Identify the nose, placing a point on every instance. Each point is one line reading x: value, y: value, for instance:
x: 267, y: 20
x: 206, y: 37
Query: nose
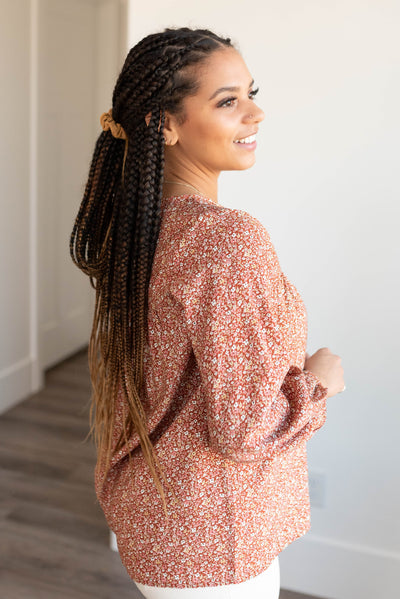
x: 255, y: 114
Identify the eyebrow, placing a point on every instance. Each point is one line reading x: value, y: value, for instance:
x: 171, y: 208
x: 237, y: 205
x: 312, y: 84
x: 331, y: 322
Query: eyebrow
x: 228, y: 89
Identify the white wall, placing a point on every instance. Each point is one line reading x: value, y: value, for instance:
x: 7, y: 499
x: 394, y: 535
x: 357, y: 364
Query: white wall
x: 14, y: 197
x: 51, y: 102
x: 325, y: 186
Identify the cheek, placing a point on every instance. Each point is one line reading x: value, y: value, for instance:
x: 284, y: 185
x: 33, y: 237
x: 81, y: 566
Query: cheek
x: 217, y: 127
x: 208, y: 135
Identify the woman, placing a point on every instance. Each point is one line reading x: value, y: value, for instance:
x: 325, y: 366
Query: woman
x: 203, y: 395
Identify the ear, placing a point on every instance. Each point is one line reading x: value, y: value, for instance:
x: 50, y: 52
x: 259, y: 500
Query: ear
x: 170, y: 129
x: 170, y: 132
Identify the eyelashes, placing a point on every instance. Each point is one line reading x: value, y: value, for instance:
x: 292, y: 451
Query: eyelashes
x: 253, y: 93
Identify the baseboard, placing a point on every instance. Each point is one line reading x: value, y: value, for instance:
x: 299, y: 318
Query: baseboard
x: 335, y: 570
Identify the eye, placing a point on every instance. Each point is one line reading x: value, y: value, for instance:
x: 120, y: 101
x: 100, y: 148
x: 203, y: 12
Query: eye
x: 226, y: 102
x: 254, y: 92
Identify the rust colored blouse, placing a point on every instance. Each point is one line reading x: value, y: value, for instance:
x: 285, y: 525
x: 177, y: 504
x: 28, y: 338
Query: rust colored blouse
x: 228, y: 403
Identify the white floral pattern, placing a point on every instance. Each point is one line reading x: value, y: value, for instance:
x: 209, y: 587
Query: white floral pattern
x: 229, y: 407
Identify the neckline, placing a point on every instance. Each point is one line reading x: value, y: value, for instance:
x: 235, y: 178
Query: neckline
x: 191, y: 195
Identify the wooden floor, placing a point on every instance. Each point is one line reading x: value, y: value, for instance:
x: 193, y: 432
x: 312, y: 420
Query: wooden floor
x: 54, y: 541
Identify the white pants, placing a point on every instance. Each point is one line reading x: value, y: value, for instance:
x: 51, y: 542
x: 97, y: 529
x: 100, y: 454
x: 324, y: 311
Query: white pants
x: 264, y: 586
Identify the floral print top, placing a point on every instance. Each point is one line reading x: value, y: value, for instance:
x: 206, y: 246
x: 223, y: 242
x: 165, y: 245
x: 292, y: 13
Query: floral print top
x: 228, y: 404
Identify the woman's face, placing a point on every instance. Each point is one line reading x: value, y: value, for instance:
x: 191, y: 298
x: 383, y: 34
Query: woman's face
x: 216, y: 118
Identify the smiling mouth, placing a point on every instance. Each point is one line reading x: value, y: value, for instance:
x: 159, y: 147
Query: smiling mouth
x: 246, y: 140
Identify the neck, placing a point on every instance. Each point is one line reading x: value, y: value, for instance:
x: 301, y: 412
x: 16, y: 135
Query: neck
x: 188, y: 183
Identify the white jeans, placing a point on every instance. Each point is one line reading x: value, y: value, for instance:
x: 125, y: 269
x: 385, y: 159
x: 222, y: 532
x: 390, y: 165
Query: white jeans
x: 264, y: 586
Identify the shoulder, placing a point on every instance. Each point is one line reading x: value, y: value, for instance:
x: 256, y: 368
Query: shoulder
x: 223, y: 247
x: 236, y: 233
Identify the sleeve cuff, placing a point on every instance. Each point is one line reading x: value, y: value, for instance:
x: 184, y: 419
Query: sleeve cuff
x: 316, y: 389
x: 320, y: 392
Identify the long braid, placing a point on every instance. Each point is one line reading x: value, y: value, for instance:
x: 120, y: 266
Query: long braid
x: 115, y: 233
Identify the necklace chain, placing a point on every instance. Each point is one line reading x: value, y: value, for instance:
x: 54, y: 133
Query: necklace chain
x: 186, y: 185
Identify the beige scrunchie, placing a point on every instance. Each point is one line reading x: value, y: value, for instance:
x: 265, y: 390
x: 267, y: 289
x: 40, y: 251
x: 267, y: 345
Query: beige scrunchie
x: 107, y: 122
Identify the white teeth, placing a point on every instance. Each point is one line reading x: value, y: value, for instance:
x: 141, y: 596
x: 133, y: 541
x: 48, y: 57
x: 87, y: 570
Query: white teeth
x: 246, y: 140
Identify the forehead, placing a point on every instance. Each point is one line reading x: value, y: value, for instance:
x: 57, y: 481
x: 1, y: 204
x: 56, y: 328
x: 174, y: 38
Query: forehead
x: 224, y: 68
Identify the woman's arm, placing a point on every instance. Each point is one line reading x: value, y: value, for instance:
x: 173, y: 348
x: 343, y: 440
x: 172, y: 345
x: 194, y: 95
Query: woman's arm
x: 258, y: 403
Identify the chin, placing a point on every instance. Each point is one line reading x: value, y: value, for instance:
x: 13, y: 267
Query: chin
x: 242, y: 166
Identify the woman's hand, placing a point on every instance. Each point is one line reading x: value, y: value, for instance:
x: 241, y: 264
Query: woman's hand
x: 327, y: 367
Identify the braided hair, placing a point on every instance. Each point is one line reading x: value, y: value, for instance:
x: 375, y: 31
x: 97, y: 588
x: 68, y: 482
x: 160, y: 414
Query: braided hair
x: 116, y: 230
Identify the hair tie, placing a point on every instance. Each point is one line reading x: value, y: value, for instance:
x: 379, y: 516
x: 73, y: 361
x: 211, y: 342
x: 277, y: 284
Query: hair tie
x: 107, y: 122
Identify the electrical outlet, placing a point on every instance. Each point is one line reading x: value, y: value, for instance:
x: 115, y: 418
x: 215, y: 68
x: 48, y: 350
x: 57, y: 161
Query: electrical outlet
x: 317, y: 488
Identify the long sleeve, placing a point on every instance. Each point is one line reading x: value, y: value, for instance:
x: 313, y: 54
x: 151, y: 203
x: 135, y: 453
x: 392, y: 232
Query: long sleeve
x: 240, y: 323
x: 228, y: 407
